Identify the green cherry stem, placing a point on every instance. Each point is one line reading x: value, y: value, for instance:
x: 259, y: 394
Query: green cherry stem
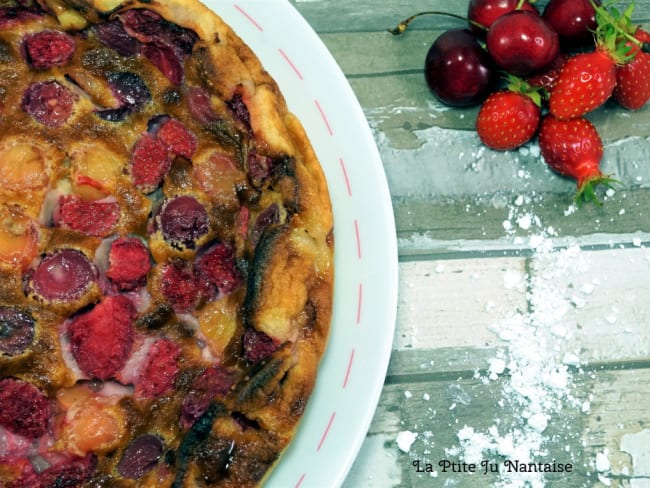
x: 403, y: 25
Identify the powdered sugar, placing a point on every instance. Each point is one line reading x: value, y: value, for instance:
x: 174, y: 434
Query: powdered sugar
x: 405, y: 440
x: 536, y: 366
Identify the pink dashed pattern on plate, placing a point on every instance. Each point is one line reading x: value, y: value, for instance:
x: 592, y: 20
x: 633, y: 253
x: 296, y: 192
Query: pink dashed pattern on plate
x: 296, y: 68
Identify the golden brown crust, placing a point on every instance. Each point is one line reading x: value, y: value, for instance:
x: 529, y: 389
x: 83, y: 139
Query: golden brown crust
x: 275, y: 217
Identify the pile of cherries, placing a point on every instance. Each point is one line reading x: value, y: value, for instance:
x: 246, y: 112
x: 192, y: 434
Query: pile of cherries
x: 463, y: 66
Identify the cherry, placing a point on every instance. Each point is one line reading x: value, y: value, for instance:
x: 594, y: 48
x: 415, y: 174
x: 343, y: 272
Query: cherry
x: 573, y: 20
x: 486, y: 12
x: 140, y: 456
x: 458, y: 70
x: 522, y: 43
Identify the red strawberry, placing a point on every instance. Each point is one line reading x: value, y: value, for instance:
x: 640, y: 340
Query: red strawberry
x: 509, y: 118
x: 633, y: 78
x: 586, y: 81
x: 574, y: 148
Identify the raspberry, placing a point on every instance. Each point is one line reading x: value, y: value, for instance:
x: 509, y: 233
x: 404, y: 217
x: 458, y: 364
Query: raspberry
x: 218, y: 266
x: 177, y: 138
x: 160, y: 371
x: 49, y: 48
x: 24, y: 408
x: 182, y: 287
x: 101, y: 338
x: 92, y: 218
x: 128, y: 263
x: 150, y: 163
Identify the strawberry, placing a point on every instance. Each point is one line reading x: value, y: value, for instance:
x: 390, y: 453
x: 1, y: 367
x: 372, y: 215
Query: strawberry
x: 573, y: 148
x: 509, y: 118
x: 587, y: 80
x: 633, y: 78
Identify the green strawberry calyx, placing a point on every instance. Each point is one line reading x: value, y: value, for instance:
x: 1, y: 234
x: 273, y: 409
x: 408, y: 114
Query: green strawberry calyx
x: 615, y: 32
x: 587, y: 188
x: 519, y: 85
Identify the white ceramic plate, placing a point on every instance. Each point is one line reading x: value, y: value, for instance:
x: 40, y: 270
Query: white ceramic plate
x: 352, y: 373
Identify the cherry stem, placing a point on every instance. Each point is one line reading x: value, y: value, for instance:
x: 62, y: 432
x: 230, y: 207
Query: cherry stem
x: 402, y: 26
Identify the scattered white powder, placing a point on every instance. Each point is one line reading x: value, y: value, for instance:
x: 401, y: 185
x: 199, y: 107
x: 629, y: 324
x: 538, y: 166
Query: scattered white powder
x: 536, y: 367
x: 405, y: 440
x: 538, y: 422
x: 602, y: 461
x: 497, y: 366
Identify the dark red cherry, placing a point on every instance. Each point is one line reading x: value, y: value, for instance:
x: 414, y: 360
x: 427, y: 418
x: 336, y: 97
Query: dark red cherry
x: 522, y: 43
x: 16, y: 331
x: 458, y: 70
x: 64, y: 275
x: 184, y: 220
x: 140, y: 456
x: 573, y: 20
x: 486, y: 12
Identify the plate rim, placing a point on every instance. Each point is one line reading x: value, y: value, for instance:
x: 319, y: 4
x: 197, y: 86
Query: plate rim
x: 242, y: 16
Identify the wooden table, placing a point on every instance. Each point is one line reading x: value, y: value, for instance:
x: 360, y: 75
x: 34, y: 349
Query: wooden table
x: 523, y: 322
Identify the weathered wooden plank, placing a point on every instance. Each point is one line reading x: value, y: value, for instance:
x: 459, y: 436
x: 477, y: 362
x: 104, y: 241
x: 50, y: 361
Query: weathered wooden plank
x: 448, y: 226
x: 452, y: 303
x: 582, y: 304
x: 369, y: 15
x: 585, y: 428
x: 403, y: 102
x: 379, y: 53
